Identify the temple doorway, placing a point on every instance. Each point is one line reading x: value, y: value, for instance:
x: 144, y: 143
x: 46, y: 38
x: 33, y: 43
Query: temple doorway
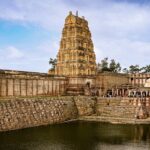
x: 88, y: 84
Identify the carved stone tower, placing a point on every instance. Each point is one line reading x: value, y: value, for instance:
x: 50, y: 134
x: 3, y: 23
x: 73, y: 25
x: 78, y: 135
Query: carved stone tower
x: 76, y: 56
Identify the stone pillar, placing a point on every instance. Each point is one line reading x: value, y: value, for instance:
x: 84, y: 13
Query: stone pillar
x: 50, y: 87
x: 45, y: 86
x: 35, y: 87
x: 17, y: 91
x: 118, y: 92
x: 0, y: 87
x: 135, y: 102
x: 10, y: 87
x: 147, y: 102
x: 40, y: 87
x: 29, y: 87
x: 129, y: 92
x: 139, y: 102
x: 3, y: 87
x: 54, y: 87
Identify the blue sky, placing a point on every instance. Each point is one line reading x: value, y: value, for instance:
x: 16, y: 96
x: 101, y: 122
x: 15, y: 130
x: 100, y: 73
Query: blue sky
x: 30, y: 31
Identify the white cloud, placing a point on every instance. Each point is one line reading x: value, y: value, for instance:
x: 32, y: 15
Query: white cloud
x: 14, y: 53
x: 51, y: 47
x: 13, y: 58
x: 11, y: 52
x: 125, y: 51
x: 120, y: 30
x: 44, y: 13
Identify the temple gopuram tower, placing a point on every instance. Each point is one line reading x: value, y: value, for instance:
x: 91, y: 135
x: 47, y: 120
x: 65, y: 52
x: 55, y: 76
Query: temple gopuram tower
x: 76, y: 56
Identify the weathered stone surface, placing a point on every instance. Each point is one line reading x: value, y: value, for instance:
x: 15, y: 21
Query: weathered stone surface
x: 29, y: 112
x: 21, y: 83
x: 122, y: 107
x: 76, y: 53
x: 140, y: 79
x: 17, y: 113
x: 109, y: 80
x: 85, y: 105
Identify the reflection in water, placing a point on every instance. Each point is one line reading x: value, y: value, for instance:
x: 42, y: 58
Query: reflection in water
x: 78, y: 136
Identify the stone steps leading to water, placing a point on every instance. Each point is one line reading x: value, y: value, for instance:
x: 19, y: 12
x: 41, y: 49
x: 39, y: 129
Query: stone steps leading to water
x: 115, y: 120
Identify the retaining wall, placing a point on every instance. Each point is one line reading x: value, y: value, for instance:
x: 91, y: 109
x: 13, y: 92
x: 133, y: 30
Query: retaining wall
x: 29, y: 112
x: 18, y: 113
x: 138, y: 108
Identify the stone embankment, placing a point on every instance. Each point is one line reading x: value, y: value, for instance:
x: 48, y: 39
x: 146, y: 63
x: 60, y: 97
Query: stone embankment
x: 138, y: 108
x: 115, y: 120
x: 121, y: 111
x: 29, y: 112
x: 85, y: 105
x: 115, y: 107
x: 18, y: 113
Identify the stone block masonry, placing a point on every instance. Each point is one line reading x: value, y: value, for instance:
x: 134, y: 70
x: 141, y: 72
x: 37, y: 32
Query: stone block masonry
x: 135, y: 108
x: 85, y: 105
x: 21, y: 83
x: 29, y: 112
x: 115, y: 107
x: 18, y: 113
x: 120, y: 110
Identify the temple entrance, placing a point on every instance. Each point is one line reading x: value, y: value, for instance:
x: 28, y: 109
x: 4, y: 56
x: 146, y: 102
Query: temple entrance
x: 109, y: 93
x: 88, y: 84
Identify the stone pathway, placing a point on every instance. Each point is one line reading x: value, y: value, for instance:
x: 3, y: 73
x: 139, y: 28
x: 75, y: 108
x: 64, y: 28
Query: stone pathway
x: 115, y: 120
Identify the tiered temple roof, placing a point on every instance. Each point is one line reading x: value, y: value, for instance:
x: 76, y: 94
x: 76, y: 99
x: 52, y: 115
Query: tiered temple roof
x: 76, y: 55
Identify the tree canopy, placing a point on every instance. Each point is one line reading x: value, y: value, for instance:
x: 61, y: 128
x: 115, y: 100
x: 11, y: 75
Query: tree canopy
x: 111, y: 66
x: 53, y: 63
x: 137, y: 69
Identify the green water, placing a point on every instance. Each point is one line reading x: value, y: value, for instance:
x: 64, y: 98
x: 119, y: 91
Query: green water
x: 78, y: 136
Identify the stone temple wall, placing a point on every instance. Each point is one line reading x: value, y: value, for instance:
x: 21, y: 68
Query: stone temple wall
x: 140, y: 79
x: 19, y: 83
x: 108, y: 80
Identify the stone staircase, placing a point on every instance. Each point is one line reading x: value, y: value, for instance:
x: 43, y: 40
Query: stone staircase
x: 74, y: 91
x: 115, y: 108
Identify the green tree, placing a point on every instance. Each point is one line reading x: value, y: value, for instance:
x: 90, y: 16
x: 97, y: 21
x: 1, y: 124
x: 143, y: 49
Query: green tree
x: 104, y: 64
x: 53, y: 63
x: 114, y: 67
x: 146, y: 69
x: 118, y: 67
x: 134, y: 69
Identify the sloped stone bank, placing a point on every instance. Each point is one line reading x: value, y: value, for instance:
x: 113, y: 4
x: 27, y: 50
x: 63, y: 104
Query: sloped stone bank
x: 29, y: 112
x: 85, y: 105
x: 18, y: 113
